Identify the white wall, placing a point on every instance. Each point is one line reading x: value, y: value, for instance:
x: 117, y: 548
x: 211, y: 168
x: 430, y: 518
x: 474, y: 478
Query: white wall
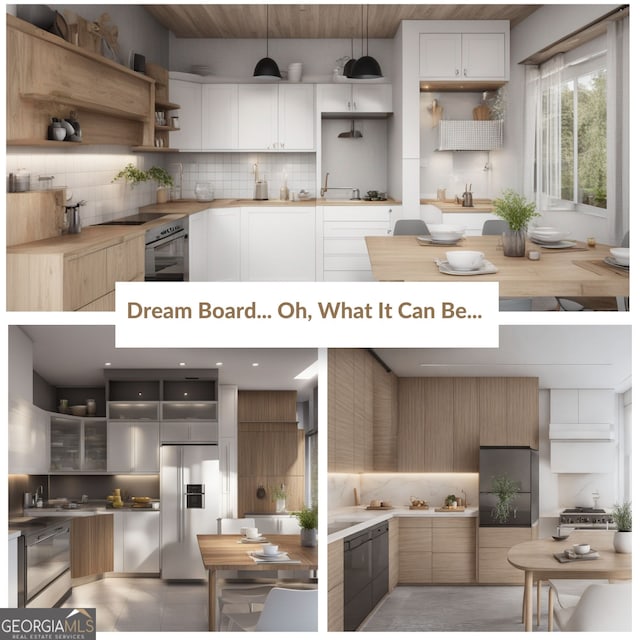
x: 20, y: 364
x: 236, y: 58
x: 138, y: 30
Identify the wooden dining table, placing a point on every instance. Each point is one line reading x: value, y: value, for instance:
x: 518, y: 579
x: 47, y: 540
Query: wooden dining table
x: 536, y: 559
x: 576, y: 272
x: 228, y: 553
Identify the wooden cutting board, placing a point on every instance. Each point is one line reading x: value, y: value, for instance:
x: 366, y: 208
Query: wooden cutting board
x: 34, y: 215
x: 442, y: 509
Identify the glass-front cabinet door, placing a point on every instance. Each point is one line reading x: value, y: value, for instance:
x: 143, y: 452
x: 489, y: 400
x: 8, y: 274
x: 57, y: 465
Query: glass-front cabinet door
x: 95, y: 445
x: 65, y: 444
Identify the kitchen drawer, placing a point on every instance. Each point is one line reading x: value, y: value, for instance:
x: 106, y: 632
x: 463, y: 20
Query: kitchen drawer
x: 454, y: 523
x: 357, y: 213
x: 355, y: 228
x: 494, y: 568
x: 415, y: 523
x: 453, y: 568
x: 493, y: 537
x: 125, y: 261
x: 454, y: 540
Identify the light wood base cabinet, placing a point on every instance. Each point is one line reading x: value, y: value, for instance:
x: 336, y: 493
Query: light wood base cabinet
x: 91, y: 545
x: 335, y: 586
x: 493, y: 545
x: 415, y: 551
x: 394, y: 553
x: 437, y: 550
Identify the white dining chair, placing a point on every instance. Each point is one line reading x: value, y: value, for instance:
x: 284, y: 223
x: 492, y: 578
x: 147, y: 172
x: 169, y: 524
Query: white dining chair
x: 284, y: 610
x: 601, y: 607
x: 241, y: 589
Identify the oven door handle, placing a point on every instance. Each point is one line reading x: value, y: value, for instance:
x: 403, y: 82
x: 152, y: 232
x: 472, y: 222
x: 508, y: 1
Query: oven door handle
x: 57, y: 532
x: 161, y: 242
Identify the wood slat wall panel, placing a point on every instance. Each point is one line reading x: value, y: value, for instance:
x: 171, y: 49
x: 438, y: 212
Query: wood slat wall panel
x: 411, y: 420
x: 437, y: 393
x: 267, y: 406
x: 492, y: 411
x: 385, y: 419
x: 522, y: 412
x: 343, y: 390
x: 466, y: 432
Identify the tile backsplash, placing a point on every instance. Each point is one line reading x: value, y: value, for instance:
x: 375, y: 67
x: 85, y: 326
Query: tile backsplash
x: 232, y: 173
x: 89, y: 176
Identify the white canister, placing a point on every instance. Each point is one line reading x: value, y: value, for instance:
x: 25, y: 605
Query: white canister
x: 91, y: 407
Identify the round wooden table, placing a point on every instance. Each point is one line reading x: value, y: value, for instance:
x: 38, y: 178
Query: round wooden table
x: 536, y: 559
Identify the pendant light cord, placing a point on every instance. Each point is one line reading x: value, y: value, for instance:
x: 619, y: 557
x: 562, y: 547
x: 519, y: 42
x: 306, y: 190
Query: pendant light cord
x: 267, y: 30
x: 361, y: 30
x: 367, y: 29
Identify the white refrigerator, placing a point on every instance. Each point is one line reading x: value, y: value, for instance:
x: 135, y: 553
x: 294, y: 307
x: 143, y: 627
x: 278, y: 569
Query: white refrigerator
x: 189, y: 502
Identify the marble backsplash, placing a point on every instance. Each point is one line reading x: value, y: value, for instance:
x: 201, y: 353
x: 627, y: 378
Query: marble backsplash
x: 397, y: 488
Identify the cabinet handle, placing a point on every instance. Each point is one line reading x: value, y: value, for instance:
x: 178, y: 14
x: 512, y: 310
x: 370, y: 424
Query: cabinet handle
x: 457, y: 72
x: 465, y: 72
x: 348, y: 105
x: 355, y: 105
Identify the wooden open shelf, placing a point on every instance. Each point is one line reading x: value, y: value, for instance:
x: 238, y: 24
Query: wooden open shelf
x: 37, y: 142
x: 155, y: 149
x: 87, y: 105
x: 166, y: 106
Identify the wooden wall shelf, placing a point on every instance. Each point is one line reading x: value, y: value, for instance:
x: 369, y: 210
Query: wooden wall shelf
x: 39, y: 142
x: 150, y: 149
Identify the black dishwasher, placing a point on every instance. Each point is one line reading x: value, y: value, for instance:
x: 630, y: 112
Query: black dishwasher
x: 366, y: 573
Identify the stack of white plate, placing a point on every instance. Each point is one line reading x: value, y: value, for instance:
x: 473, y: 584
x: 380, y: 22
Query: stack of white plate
x: 445, y: 232
x: 548, y: 235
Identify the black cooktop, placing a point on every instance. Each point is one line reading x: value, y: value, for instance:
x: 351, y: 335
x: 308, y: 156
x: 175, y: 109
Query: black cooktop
x: 583, y: 510
x: 137, y: 218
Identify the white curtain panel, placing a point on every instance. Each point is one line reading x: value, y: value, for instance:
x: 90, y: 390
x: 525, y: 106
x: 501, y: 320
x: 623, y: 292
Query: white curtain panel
x: 548, y: 151
x: 532, y: 99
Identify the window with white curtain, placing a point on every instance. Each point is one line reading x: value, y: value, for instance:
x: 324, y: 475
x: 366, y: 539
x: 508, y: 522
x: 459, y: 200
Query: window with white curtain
x: 576, y: 120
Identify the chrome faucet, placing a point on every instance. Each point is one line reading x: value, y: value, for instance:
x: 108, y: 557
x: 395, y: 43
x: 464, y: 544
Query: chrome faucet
x: 355, y: 192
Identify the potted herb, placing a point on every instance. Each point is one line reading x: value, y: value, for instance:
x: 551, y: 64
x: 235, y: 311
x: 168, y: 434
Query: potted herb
x: 451, y: 501
x: 505, y: 490
x: 308, y: 521
x: 163, y: 180
x: 517, y: 212
x: 134, y: 176
x: 621, y: 515
x: 280, y: 498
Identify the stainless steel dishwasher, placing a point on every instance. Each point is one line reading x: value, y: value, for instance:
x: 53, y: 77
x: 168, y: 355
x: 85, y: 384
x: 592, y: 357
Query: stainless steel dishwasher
x: 366, y: 573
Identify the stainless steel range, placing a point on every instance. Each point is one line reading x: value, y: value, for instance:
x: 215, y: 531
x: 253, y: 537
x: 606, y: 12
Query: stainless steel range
x: 166, y: 255
x: 586, y: 518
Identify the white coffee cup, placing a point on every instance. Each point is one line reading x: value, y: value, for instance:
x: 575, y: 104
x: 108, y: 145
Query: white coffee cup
x: 269, y: 549
x: 243, y: 531
x: 252, y: 532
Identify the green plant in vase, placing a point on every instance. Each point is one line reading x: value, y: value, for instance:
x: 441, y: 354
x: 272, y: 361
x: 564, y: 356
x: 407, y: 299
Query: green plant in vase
x: 505, y: 490
x: 308, y: 520
x: 517, y: 212
x: 621, y: 515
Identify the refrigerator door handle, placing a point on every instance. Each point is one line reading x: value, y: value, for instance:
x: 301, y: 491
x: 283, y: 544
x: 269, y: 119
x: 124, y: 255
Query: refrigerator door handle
x: 181, y: 504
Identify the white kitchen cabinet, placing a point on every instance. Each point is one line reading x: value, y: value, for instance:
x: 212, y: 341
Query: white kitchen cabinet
x: 228, y: 449
x: 296, y: 117
x: 189, y: 96
x: 354, y: 98
x: 463, y: 56
x: 472, y: 222
x: 220, y: 116
x: 583, y: 457
x: 20, y: 357
x: 277, y: 118
x: 345, y: 256
x: 278, y: 244
x: 133, y: 447
x: 582, y: 406
x: 12, y: 572
x: 28, y: 438
x: 188, y: 431
x: 136, y: 542
x: 198, y: 246
x: 276, y: 524
x: 257, y: 116
x: 222, y: 250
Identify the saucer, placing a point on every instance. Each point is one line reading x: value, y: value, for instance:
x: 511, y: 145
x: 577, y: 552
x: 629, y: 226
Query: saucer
x: 612, y: 262
x: 260, y: 538
x: 563, y: 244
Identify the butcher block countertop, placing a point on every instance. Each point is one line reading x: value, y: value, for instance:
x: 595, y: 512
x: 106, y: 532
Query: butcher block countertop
x: 361, y: 518
x: 481, y: 205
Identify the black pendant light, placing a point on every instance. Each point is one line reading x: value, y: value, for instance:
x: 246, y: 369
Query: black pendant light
x: 366, y: 67
x: 348, y: 66
x: 267, y: 67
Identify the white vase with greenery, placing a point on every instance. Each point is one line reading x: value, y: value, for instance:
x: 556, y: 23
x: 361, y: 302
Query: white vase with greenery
x: 621, y: 515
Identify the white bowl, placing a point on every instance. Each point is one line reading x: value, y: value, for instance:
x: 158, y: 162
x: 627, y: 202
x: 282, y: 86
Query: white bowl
x: 620, y: 255
x: 581, y: 548
x: 548, y: 234
x: 445, y: 232
x: 465, y: 260
x: 270, y: 549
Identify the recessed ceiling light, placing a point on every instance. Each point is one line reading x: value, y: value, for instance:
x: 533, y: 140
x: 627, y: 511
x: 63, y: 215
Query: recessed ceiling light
x: 182, y: 364
x: 219, y: 364
x: 255, y: 364
x: 107, y: 364
x: 310, y: 372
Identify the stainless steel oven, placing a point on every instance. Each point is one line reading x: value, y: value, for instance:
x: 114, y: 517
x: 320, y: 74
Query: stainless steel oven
x: 44, y: 556
x: 166, y: 256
